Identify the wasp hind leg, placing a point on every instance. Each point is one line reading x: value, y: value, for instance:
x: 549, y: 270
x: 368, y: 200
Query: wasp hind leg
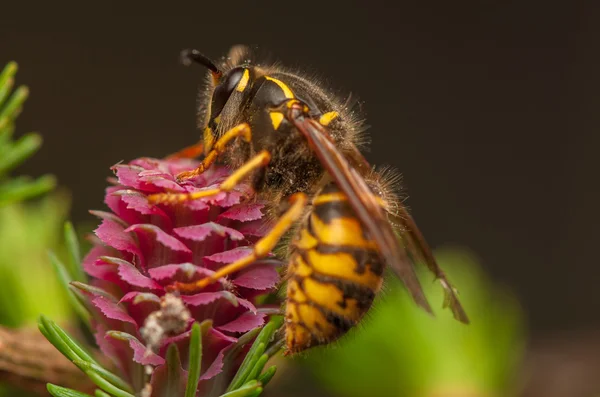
x: 259, y: 161
x: 241, y: 130
x: 297, y: 204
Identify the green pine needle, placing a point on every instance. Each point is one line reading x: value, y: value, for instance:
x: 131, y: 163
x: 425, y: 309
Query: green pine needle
x: 258, y: 367
x: 242, y: 341
x: 81, y: 288
x: 14, y: 153
x: 252, y: 388
x: 247, y: 366
x: 104, y: 379
x: 195, y: 361
x: 104, y: 373
x: 7, y: 81
x: 74, y: 253
x: 257, y: 392
x: 65, y: 279
x: 255, y: 354
x: 63, y: 342
x: 173, y: 369
x: 12, y: 108
x: 23, y: 188
x: 58, y: 391
x: 20, y: 151
x: 123, y: 336
x: 53, y: 337
x: 106, y: 385
x: 266, y: 377
x: 72, y: 272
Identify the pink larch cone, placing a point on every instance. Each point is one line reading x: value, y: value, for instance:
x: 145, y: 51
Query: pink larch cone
x: 141, y: 249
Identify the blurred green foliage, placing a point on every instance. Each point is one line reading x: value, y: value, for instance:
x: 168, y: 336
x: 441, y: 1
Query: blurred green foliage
x: 29, y: 287
x: 30, y: 224
x: 14, y: 152
x: 399, y: 350
x: 27, y: 229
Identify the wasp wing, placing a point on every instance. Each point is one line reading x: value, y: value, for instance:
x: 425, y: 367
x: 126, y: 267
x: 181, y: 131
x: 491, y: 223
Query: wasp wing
x: 417, y: 247
x: 368, y: 210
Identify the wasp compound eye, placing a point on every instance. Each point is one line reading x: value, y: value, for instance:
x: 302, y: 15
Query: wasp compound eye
x: 224, y: 89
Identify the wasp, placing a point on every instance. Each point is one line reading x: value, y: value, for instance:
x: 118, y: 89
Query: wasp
x: 298, y: 145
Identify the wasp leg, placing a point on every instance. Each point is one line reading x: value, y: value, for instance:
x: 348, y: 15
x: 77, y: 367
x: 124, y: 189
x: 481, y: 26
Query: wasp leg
x: 260, y: 160
x: 241, y: 130
x: 189, y: 152
x: 261, y: 249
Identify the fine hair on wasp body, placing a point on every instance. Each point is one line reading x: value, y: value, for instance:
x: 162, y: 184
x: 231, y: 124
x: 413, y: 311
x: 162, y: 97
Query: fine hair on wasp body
x: 341, y: 223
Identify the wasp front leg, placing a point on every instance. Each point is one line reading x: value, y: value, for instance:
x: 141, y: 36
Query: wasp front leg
x: 261, y: 249
x: 261, y: 160
x: 241, y: 130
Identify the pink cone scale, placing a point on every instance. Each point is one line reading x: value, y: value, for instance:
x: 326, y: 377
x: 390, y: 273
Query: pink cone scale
x: 140, y: 249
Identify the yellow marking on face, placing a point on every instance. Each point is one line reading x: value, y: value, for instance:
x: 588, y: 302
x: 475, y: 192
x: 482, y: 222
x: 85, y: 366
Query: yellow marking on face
x: 328, y: 118
x: 244, y: 81
x: 342, y: 266
x: 218, y: 119
x: 286, y: 90
x: 341, y: 231
x: 276, y: 119
x: 209, y: 140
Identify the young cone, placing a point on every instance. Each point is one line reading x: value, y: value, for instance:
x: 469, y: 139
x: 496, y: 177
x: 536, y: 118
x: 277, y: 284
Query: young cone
x: 140, y: 249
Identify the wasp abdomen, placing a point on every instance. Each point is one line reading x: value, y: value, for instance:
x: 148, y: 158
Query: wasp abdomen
x: 334, y: 273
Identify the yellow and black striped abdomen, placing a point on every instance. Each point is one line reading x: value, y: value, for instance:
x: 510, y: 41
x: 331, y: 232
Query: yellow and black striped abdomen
x: 333, y: 275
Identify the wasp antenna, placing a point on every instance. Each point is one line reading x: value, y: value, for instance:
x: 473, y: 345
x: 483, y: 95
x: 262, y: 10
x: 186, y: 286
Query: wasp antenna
x: 190, y: 55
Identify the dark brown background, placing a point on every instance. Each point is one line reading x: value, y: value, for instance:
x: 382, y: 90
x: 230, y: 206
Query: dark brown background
x: 489, y: 109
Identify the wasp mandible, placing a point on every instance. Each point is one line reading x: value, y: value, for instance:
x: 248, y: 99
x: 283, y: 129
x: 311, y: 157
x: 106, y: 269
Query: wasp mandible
x: 297, y: 144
